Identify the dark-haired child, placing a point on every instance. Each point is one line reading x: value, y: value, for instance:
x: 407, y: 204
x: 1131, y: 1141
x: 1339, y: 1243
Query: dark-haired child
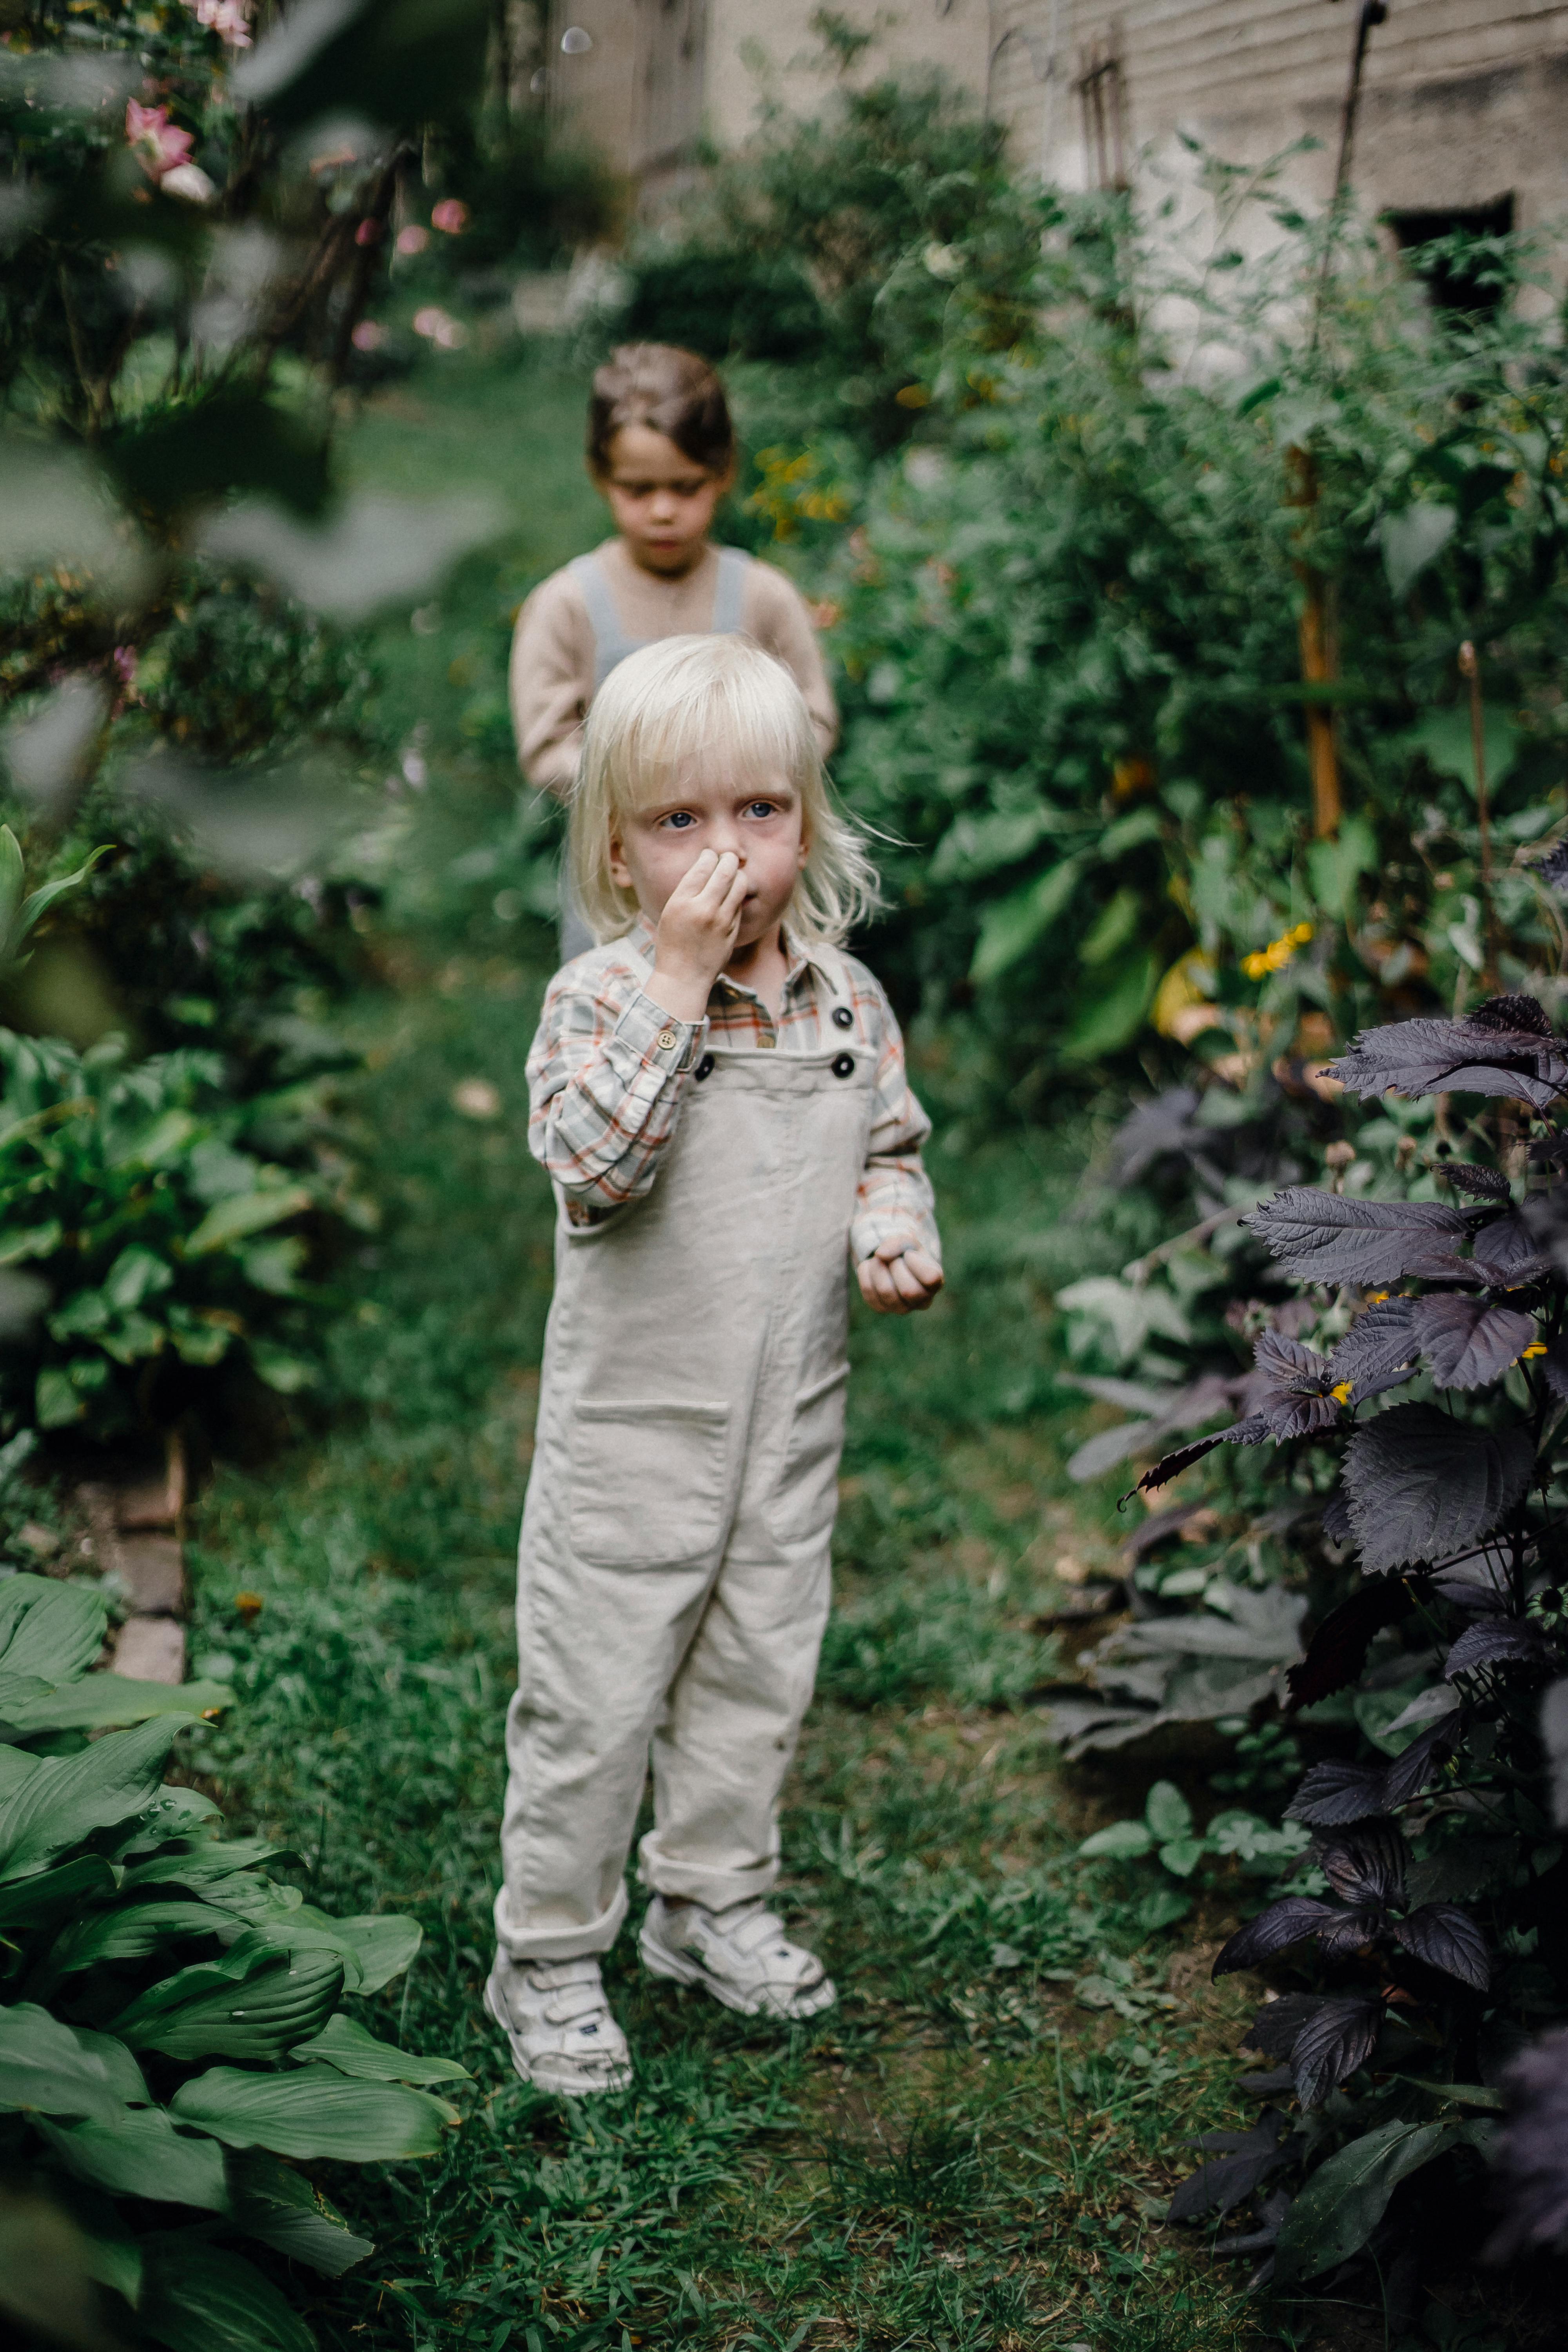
x: 661, y: 450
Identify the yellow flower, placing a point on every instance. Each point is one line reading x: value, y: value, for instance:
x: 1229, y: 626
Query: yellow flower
x: 1342, y: 1395
x: 1536, y: 1347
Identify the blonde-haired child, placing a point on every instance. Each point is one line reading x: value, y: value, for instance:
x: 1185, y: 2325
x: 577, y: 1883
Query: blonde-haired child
x: 719, y: 1094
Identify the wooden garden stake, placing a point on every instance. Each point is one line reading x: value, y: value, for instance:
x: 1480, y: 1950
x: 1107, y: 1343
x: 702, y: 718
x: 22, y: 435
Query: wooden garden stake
x: 1319, y: 667
x: 1470, y: 670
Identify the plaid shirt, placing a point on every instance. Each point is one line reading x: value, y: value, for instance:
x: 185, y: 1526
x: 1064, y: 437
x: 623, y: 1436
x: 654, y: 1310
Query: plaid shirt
x: 609, y: 1070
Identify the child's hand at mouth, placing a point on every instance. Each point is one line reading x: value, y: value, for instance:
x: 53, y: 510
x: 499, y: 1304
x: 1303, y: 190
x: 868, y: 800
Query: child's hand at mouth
x: 697, y: 933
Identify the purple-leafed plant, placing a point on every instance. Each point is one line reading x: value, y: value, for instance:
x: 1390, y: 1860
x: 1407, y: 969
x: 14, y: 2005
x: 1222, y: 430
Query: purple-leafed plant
x: 1427, y: 1940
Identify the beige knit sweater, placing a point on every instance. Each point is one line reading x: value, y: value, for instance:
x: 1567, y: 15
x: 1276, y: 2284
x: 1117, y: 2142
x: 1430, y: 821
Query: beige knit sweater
x: 552, y: 670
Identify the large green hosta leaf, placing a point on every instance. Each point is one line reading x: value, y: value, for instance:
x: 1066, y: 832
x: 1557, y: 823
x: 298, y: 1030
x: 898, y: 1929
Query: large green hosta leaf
x: 234, y: 2007
x: 45, y: 2067
x: 197, y: 1869
x: 47, y: 1802
x: 316, y: 2112
x: 288, y: 2213
x: 140, y: 2154
x: 198, y: 2299
x: 373, y: 1950
x: 33, y: 1902
x: 48, y: 1630
x: 100, y: 1699
x: 347, y: 2046
x: 129, y: 1932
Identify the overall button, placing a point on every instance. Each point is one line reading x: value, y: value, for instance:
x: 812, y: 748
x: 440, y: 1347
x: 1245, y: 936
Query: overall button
x: 704, y: 1068
x: 667, y: 1038
x: 844, y: 1065
x: 842, y: 1017
x: 767, y: 1043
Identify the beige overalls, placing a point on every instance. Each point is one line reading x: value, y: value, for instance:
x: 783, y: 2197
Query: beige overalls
x: 673, y: 1572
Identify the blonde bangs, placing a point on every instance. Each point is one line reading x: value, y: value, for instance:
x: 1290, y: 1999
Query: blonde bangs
x: 691, y: 708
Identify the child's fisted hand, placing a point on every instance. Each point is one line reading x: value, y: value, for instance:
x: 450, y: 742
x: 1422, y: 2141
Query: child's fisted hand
x: 697, y: 931
x: 901, y: 1278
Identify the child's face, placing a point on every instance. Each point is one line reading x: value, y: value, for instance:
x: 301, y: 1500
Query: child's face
x: 662, y: 502
x: 760, y: 820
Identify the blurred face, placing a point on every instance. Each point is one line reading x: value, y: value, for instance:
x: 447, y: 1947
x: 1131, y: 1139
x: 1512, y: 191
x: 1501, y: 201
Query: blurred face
x: 662, y: 502
x: 759, y: 821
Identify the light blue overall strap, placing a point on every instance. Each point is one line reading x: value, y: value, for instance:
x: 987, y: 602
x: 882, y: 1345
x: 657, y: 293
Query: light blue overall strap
x: 611, y: 642
x: 729, y: 595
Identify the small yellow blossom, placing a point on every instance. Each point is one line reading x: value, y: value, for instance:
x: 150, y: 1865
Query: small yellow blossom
x: 1278, y: 954
x: 1536, y: 1347
x: 1342, y: 1395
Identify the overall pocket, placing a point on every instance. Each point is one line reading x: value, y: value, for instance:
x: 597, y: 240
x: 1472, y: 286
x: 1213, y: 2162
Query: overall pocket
x: 807, y: 1494
x: 647, y: 1481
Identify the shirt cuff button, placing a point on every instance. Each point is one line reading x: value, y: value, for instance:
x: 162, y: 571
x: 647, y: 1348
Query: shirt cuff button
x: 667, y: 1038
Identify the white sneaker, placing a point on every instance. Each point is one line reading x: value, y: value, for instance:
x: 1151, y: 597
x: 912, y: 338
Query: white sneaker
x: 558, y: 2022
x: 741, y: 1955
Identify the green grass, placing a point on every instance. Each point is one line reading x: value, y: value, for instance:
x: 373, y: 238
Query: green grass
x: 962, y: 2155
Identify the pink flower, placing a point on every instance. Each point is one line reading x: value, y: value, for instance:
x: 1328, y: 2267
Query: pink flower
x: 227, y: 18
x: 157, y: 145
x: 368, y: 336
x: 369, y: 232
x: 446, y: 333
x: 413, y: 239
x: 124, y: 660
x: 450, y: 216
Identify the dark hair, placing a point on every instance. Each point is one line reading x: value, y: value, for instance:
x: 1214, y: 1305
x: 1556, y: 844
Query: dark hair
x: 672, y: 391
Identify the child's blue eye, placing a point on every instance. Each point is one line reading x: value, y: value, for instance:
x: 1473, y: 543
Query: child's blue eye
x: 763, y: 808
x: 680, y: 819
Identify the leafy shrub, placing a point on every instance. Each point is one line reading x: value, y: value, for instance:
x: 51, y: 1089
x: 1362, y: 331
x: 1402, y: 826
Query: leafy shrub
x: 874, y: 234
x: 171, y: 2042
x: 156, y: 1246
x: 724, y: 304
x: 1429, y: 1940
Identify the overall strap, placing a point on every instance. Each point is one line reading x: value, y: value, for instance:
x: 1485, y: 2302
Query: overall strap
x: 611, y: 642
x: 730, y: 595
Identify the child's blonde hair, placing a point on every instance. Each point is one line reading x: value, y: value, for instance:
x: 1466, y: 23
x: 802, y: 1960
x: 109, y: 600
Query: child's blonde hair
x: 688, y: 707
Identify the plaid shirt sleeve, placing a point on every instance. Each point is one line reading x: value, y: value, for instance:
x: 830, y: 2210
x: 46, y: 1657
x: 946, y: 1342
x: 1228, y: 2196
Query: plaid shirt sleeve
x: 894, y: 1202
x: 605, y: 1079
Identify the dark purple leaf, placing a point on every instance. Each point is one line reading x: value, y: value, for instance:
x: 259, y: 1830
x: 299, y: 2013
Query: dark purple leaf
x: 1415, y: 1766
x: 1336, y: 1518
x: 1329, y: 1237
x: 1486, y: 1183
x: 1251, y: 1431
x: 1470, y: 1344
x: 1530, y: 2153
x: 1274, y: 1930
x: 1332, y: 1795
x: 1366, y: 1863
x: 1348, y: 1932
x: 1153, y: 1131
x: 1332, y: 2045
x: 1496, y: 1642
x: 1508, y: 1252
x: 1545, y: 1217
x: 1266, y: 2086
x: 1337, y: 1651
x: 1233, y: 2174
x: 1274, y: 2029
x: 1377, y: 1352
x: 1555, y: 1370
x: 1504, y: 1047
x: 1422, y: 1484
x: 1291, y: 1387
x: 1553, y: 867
x: 1271, y: 2215
x: 1447, y: 1937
